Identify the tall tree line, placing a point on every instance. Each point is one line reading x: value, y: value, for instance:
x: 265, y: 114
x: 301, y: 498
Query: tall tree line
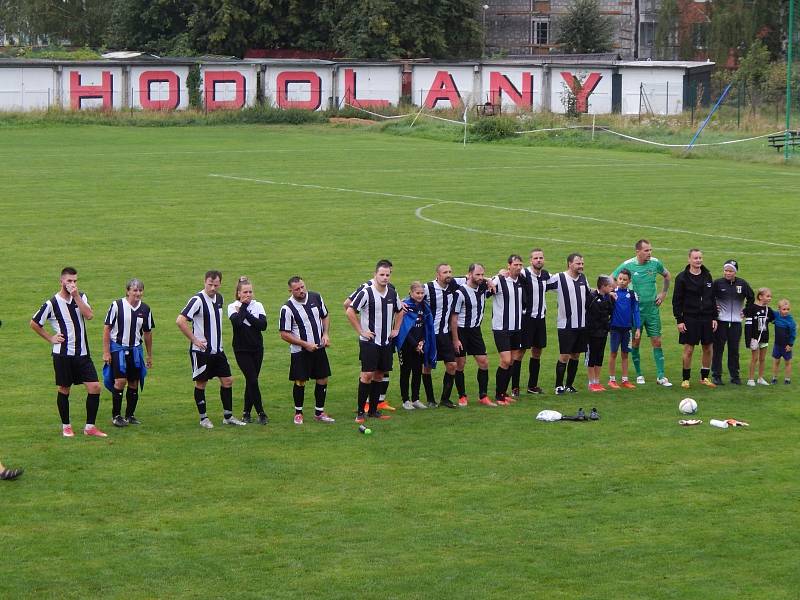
x: 351, y: 28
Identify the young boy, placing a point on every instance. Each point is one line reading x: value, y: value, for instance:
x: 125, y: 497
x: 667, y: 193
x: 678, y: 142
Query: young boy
x: 758, y: 316
x: 785, y: 334
x: 625, y: 317
x: 599, y: 308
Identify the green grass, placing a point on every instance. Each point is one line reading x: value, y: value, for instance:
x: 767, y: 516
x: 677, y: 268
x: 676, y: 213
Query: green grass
x: 469, y: 504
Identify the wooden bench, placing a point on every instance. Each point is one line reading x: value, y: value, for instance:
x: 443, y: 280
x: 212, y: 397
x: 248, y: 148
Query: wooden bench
x: 779, y: 141
x: 488, y: 109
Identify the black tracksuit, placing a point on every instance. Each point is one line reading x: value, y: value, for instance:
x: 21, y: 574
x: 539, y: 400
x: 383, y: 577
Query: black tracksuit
x: 248, y: 347
x: 730, y: 297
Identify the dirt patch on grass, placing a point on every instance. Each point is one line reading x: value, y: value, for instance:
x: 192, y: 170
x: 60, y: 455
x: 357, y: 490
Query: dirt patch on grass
x: 350, y: 121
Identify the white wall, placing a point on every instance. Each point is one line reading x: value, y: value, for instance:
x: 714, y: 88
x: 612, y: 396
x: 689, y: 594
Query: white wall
x: 374, y: 85
x: 663, y: 88
x: 23, y: 89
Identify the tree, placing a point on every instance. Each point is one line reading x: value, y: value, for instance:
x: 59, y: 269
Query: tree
x: 754, y: 70
x: 157, y: 26
x: 584, y: 30
x: 666, y: 30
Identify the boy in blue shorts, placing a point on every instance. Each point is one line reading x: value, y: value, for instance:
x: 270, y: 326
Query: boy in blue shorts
x: 625, y: 317
x: 785, y: 335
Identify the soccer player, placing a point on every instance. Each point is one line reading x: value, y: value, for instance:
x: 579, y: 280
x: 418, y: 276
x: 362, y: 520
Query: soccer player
x: 67, y: 312
x: 465, y: 323
x: 572, y: 290
x: 249, y: 320
x: 730, y: 293
x: 534, y: 330
x: 383, y: 404
x: 440, y: 294
x: 376, y: 315
x: 204, y: 313
x: 304, y: 325
x: 696, y: 314
x: 507, y: 324
x: 644, y: 269
x: 128, y: 323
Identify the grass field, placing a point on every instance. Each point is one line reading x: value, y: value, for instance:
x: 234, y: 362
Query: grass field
x: 475, y: 503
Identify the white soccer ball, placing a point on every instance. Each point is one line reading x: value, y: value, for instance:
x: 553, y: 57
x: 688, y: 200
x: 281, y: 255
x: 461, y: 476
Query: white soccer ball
x: 687, y: 406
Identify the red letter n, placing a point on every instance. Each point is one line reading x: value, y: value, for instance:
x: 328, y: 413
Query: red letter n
x: 499, y: 84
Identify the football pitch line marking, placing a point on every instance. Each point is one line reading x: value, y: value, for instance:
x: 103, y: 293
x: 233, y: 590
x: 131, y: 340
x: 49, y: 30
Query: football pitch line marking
x: 439, y: 201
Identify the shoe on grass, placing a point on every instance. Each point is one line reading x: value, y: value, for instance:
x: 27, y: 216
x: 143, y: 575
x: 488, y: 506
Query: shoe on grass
x: 233, y: 421
x: 66, y: 431
x: 685, y: 384
x: 419, y: 405
x: 324, y: 418
x: 206, y: 423
x: 132, y: 420
x: 640, y: 380
x: 486, y: 401
x: 613, y: 385
x: 93, y: 431
x: 662, y: 381
x: 263, y: 419
x: 628, y: 385
x: 298, y: 419
x: 408, y: 405
x: 118, y: 421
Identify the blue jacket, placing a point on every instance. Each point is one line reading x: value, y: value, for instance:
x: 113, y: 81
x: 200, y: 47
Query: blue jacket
x: 409, y: 320
x: 787, y: 323
x: 138, y: 360
x: 626, y: 310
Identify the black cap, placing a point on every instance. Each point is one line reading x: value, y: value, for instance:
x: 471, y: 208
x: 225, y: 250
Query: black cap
x: 732, y: 263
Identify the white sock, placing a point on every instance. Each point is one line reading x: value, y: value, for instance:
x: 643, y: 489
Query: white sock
x: 624, y: 379
x: 613, y: 378
x: 65, y: 426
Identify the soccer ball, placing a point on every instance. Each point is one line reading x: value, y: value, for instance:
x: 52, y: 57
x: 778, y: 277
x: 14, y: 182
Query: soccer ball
x: 687, y: 406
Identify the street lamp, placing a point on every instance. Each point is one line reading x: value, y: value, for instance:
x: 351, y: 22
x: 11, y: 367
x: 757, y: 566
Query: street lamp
x: 483, y: 49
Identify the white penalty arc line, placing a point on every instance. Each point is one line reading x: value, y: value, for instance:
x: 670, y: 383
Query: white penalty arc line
x: 493, y: 206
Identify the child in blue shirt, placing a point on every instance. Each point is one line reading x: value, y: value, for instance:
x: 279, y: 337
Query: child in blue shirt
x: 625, y: 317
x: 785, y: 335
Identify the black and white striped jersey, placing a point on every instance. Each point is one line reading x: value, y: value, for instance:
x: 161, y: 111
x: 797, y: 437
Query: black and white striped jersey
x: 128, y: 323
x: 470, y: 303
x: 507, y: 304
x: 442, y: 302
x: 65, y: 318
x: 352, y: 296
x: 377, y: 312
x: 205, y: 313
x: 303, y: 319
x: 533, y: 289
x: 572, y: 294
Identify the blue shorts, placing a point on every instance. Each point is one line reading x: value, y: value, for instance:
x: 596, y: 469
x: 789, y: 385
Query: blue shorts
x: 620, y: 337
x: 779, y: 352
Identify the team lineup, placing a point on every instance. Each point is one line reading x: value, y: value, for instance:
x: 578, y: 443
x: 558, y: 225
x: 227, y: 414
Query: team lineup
x: 437, y: 322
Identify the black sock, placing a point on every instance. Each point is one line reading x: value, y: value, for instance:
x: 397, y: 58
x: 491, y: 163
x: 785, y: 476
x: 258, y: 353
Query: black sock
x: 687, y: 374
x: 62, y: 402
x: 447, y: 386
x: 299, y: 396
x: 374, y: 396
x: 384, y: 387
x: 200, y: 401
x: 483, y: 382
x: 363, y: 395
x: 226, y: 396
x: 572, y: 370
x: 320, y: 392
x: 703, y: 373
x: 501, y: 378
x: 427, y: 383
x: 516, y: 367
x: 461, y: 388
x: 116, y: 403
x: 92, y: 405
x: 533, y: 368
x: 132, y: 397
x: 561, y: 368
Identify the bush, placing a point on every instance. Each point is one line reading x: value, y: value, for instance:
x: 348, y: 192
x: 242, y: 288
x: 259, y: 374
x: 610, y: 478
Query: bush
x: 494, y: 128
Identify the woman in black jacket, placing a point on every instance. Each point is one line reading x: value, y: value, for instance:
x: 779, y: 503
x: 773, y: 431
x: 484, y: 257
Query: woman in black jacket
x: 249, y: 319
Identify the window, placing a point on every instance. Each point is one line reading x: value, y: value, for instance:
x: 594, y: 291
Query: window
x: 540, y: 31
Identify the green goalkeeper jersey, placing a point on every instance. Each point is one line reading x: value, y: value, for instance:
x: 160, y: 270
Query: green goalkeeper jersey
x: 643, y: 277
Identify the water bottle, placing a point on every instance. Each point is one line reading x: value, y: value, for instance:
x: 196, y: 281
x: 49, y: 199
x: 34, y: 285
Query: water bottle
x: 718, y: 423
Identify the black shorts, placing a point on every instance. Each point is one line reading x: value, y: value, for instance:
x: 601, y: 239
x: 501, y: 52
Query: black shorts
x: 698, y: 331
x: 507, y: 341
x: 472, y: 343
x: 73, y: 370
x: 572, y: 341
x: 374, y: 357
x: 444, y: 348
x: 307, y: 365
x: 207, y: 366
x: 534, y: 333
x: 131, y: 370
x: 595, y: 351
